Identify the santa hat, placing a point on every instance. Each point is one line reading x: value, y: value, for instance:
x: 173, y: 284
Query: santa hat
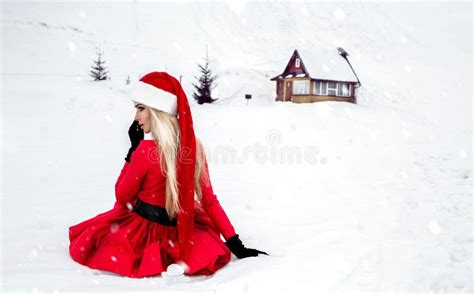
x: 162, y: 91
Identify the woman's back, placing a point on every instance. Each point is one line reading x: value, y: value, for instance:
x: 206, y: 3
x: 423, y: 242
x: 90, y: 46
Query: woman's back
x: 146, y: 179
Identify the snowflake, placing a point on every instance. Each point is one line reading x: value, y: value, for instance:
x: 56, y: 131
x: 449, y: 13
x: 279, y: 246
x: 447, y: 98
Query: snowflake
x: 339, y: 14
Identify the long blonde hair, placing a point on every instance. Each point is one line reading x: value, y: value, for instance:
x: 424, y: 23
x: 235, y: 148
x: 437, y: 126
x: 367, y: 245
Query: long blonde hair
x: 166, y: 132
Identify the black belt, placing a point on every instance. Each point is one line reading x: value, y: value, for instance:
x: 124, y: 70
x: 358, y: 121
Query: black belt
x: 153, y: 213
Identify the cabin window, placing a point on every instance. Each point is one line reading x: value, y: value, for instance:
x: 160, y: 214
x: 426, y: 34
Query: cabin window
x: 343, y: 89
x: 332, y: 88
x: 316, y: 87
x: 301, y: 87
x: 297, y: 63
x: 323, y: 89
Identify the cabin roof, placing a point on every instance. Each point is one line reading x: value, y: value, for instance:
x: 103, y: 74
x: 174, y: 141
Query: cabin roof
x: 324, y: 64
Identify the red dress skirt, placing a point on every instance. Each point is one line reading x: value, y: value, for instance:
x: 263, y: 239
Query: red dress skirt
x: 123, y: 242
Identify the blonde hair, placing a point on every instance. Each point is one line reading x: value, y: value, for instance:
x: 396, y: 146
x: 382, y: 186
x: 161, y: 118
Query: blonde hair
x: 165, y: 130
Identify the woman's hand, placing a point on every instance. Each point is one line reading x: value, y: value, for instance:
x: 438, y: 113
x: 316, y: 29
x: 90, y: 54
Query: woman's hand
x: 235, y: 245
x: 135, y: 133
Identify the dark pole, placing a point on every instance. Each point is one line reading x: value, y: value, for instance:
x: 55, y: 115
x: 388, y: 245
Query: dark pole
x: 344, y: 54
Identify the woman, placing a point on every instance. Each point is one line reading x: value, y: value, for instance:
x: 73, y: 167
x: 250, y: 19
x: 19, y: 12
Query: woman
x: 166, y: 212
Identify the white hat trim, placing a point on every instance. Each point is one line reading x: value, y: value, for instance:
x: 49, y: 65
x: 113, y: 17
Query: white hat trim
x: 155, y: 97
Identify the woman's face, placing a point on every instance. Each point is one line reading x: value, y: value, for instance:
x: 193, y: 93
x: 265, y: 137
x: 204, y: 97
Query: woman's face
x: 143, y: 117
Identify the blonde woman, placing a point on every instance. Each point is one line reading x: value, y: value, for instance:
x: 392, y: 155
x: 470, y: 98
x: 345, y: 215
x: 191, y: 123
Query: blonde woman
x: 166, y: 212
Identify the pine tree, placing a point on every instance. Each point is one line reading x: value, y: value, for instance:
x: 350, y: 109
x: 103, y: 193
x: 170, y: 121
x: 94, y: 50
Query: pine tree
x: 98, y: 70
x: 205, y: 86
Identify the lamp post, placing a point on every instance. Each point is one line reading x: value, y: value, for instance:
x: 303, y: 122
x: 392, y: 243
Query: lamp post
x: 344, y: 54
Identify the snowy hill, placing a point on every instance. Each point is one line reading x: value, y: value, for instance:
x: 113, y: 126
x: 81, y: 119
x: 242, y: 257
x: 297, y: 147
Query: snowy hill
x: 369, y: 197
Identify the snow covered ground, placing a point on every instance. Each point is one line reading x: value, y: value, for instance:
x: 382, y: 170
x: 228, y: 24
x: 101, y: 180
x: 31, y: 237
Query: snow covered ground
x: 346, y: 198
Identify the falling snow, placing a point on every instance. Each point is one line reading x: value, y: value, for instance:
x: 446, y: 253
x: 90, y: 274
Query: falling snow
x: 339, y: 14
x: 384, y: 204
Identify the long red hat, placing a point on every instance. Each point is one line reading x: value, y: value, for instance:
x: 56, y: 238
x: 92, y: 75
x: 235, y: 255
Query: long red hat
x: 164, y: 92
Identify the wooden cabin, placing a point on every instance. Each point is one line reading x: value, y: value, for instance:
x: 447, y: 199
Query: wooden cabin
x: 323, y: 75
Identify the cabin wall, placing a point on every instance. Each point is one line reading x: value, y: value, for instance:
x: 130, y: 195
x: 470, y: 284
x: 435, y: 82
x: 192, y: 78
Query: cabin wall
x: 287, y: 88
x: 292, y: 68
x: 317, y: 98
x: 282, y: 92
x: 279, y: 90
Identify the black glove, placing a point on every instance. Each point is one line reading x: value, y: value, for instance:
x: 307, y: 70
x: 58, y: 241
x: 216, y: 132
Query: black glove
x: 135, y: 133
x: 235, y: 245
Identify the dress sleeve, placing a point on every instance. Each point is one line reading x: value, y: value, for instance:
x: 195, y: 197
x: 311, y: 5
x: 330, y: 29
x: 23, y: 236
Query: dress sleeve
x: 213, y: 208
x: 131, y: 176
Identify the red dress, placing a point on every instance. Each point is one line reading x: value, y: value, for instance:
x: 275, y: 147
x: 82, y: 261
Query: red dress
x: 123, y: 242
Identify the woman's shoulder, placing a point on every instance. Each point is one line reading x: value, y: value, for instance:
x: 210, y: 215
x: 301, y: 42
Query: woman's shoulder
x: 147, y: 151
x: 145, y: 146
x: 146, y: 143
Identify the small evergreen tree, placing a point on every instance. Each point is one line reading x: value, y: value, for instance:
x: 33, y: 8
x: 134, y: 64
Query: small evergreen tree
x: 205, y: 86
x: 98, y: 70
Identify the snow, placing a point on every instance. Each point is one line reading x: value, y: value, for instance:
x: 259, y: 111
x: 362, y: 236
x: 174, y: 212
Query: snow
x: 175, y: 269
x: 326, y: 63
x: 345, y: 198
x: 339, y: 14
